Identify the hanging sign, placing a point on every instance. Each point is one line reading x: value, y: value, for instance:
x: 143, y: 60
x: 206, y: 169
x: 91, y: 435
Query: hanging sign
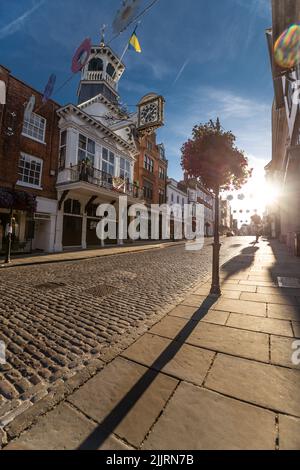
x: 125, y: 15
x: 2, y: 92
x: 81, y: 56
x: 49, y: 88
x: 29, y: 108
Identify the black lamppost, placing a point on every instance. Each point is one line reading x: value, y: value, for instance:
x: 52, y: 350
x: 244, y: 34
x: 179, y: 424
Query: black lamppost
x: 215, y: 286
x: 9, y: 237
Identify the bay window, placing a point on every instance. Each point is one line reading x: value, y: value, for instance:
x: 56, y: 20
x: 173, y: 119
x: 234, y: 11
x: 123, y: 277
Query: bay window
x: 86, y: 149
x: 108, y: 162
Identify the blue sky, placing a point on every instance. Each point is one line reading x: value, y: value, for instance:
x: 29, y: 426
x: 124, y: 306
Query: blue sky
x: 208, y: 58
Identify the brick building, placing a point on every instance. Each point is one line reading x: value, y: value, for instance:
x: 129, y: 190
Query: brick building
x: 151, y: 170
x: 28, y: 164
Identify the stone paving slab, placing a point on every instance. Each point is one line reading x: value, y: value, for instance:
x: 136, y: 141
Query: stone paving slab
x: 238, y: 288
x: 217, y: 317
x: 271, y: 298
x: 232, y: 341
x: 272, y: 387
x: 296, y: 328
x: 289, y: 433
x: 171, y: 357
x: 261, y: 278
x: 257, y: 283
x: 282, y: 351
x: 242, y: 306
x: 98, y: 398
x: 276, y: 290
x: 218, y: 338
x: 208, y: 421
x: 62, y: 429
x: 262, y: 325
x: 284, y: 312
x: 194, y: 300
x: 230, y: 294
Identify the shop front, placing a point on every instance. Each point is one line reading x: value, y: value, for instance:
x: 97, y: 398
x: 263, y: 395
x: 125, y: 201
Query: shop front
x: 16, y: 215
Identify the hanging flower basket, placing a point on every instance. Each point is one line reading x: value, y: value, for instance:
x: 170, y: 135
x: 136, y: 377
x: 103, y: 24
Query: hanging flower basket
x: 18, y: 200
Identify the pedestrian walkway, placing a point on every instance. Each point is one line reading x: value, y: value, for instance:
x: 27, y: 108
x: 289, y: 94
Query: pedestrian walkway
x: 78, y: 255
x: 215, y: 373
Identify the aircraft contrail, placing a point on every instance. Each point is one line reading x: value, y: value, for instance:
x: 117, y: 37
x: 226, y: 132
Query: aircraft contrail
x: 18, y: 22
x: 181, y: 71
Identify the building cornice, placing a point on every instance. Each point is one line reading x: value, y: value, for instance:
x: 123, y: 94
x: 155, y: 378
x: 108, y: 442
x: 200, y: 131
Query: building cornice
x: 72, y: 109
x: 100, y: 99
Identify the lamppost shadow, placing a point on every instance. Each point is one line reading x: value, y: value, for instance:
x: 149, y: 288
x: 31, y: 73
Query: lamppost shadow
x: 240, y: 263
x: 116, y: 416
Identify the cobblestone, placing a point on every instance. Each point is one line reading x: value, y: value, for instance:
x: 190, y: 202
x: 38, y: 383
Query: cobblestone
x: 51, y: 334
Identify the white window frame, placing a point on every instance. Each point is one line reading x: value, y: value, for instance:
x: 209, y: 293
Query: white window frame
x: 31, y: 158
x: 110, y: 153
x: 87, y: 153
x: 25, y: 134
x: 127, y: 171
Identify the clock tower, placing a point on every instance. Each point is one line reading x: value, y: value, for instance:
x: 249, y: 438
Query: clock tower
x: 101, y: 75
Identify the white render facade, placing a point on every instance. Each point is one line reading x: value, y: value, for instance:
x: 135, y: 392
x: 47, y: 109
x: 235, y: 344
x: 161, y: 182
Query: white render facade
x: 175, y: 195
x: 97, y: 154
x: 199, y: 195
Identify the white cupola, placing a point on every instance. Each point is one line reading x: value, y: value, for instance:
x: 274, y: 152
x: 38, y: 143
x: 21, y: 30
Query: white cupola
x: 101, y: 75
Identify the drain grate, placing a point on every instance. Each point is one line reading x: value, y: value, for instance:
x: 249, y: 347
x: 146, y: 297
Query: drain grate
x: 103, y: 290
x: 50, y: 285
x: 292, y: 283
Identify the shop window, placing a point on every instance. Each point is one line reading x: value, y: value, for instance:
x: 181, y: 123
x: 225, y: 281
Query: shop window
x: 92, y: 210
x: 34, y: 127
x: 30, y: 171
x: 72, y: 206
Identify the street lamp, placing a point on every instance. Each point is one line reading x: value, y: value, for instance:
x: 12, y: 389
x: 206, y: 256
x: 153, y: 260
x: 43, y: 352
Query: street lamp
x: 9, y: 237
x: 215, y: 286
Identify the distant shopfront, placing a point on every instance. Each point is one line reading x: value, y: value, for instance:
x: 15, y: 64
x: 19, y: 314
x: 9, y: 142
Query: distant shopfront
x: 17, y: 208
x: 33, y: 222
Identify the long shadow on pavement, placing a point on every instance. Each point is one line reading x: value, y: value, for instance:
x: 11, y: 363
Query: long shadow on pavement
x: 240, y: 263
x: 116, y: 416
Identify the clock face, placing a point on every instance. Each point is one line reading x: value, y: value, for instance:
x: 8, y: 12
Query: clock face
x: 149, y: 113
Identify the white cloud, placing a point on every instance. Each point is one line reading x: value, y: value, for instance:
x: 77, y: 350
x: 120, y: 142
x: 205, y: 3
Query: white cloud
x: 16, y: 24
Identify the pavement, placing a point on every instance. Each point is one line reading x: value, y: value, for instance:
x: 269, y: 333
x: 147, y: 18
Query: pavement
x: 212, y: 373
x: 79, y: 255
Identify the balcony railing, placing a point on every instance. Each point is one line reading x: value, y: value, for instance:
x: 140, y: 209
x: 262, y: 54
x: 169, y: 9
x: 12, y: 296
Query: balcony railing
x: 91, y: 175
x: 99, y: 76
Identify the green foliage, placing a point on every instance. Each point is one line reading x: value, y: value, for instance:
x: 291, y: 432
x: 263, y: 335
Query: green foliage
x: 212, y: 156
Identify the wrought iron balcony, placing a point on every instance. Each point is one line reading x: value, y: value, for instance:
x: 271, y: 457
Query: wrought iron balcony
x: 88, y: 174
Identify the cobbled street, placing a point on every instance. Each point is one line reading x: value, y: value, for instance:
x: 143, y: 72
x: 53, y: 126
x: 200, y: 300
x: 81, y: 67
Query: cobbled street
x: 56, y: 318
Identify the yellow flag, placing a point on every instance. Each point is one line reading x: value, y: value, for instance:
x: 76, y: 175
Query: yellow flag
x: 134, y: 43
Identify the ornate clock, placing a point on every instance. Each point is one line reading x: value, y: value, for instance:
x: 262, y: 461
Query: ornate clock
x: 150, y: 113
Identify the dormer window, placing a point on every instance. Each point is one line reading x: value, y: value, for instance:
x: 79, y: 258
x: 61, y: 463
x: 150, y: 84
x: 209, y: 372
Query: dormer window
x: 110, y: 70
x: 96, y: 65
